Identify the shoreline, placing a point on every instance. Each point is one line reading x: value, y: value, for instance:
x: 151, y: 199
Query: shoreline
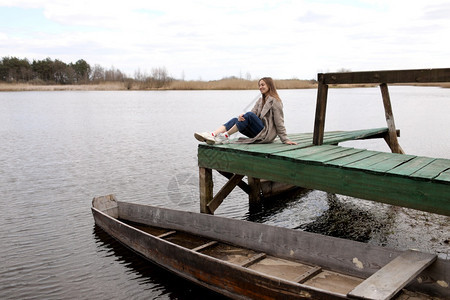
x: 181, y: 86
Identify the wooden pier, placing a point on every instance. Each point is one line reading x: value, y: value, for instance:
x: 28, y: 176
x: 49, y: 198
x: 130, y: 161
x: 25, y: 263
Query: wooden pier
x: 318, y: 162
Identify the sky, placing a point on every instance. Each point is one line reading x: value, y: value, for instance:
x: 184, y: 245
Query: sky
x: 210, y: 40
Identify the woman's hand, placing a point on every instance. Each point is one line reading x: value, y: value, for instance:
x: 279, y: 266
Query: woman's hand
x: 290, y: 143
x: 241, y: 118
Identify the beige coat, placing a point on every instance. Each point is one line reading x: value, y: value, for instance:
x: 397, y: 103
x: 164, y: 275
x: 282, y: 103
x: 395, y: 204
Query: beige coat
x: 273, y: 118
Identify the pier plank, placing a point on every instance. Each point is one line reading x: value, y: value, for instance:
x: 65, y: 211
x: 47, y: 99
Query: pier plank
x: 325, y: 156
x: 433, y: 169
x: 411, y: 166
x: 367, y: 162
x: 393, y: 161
x: 444, y: 177
x: 343, y: 161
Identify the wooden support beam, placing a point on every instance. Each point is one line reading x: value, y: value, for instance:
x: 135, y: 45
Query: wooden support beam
x: 223, y: 193
x: 254, y: 196
x: 206, y: 189
x: 392, y: 141
x: 321, y: 107
x: 244, y: 186
x: 396, y: 76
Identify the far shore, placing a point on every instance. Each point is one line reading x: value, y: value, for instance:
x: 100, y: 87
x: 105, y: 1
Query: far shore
x: 224, y: 84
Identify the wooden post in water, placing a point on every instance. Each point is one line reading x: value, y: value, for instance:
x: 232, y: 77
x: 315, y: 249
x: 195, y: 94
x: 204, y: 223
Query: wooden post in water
x: 321, y: 107
x: 206, y: 189
x: 391, y: 140
x: 254, y: 196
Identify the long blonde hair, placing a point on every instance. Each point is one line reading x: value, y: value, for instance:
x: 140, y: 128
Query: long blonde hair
x: 272, y: 89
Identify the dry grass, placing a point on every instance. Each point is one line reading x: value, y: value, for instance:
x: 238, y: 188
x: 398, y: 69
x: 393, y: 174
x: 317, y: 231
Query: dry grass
x: 235, y: 84
x: 223, y: 84
x: 107, y: 86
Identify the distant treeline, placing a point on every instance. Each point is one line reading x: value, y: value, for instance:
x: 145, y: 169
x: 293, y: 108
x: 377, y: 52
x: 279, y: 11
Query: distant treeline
x: 48, y: 71
x: 49, y: 74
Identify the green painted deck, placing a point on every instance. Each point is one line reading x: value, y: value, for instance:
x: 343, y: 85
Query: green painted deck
x: 416, y: 182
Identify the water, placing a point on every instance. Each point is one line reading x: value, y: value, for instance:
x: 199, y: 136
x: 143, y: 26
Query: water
x: 60, y: 149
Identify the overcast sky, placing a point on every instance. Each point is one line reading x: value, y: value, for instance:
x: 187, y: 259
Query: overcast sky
x: 208, y: 39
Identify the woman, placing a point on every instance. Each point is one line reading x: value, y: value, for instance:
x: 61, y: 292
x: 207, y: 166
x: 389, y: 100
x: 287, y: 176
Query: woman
x: 261, y: 125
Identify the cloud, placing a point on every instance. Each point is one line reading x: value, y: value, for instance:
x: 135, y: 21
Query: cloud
x: 213, y: 39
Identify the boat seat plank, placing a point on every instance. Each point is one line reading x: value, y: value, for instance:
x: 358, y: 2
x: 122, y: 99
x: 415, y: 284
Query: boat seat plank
x: 389, y: 280
x: 308, y: 274
x: 204, y: 246
x: 167, y: 234
x: 254, y: 259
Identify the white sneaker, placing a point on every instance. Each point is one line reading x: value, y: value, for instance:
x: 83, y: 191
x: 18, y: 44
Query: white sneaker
x: 207, y: 137
x: 222, y: 138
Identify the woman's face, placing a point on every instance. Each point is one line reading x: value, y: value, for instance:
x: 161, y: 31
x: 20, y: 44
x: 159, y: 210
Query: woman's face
x: 263, y: 88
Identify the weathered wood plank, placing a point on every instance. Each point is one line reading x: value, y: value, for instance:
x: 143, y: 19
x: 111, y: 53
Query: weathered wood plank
x: 308, y: 274
x: 255, y: 188
x: 444, y: 177
x: 411, y: 166
x: 244, y: 186
x: 433, y: 169
x: 390, y: 279
x: 253, y: 259
x: 167, y: 234
x: 395, y: 76
x: 372, y: 160
x: 389, y: 164
x: 224, y: 192
x: 353, y: 158
x: 204, y: 246
x: 321, y: 107
x: 339, y: 155
x: 297, y: 153
x: 392, y: 133
x: 335, y: 153
x: 206, y: 188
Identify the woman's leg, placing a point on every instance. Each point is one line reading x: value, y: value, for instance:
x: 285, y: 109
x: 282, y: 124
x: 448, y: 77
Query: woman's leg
x: 221, y: 129
x: 251, y: 126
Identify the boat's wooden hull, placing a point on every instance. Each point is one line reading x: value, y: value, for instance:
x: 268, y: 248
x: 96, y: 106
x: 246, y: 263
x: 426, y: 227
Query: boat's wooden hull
x: 352, y: 258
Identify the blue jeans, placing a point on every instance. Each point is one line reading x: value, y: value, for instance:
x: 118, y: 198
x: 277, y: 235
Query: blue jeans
x: 250, y: 127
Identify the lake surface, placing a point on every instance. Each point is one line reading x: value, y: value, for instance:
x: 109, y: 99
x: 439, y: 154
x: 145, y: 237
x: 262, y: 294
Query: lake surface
x: 58, y: 150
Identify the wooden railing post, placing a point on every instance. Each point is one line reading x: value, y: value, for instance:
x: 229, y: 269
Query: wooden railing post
x: 321, y: 107
x: 392, y: 140
x: 206, y: 189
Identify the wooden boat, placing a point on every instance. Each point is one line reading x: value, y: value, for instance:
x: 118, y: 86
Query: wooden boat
x: 246, y: 260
